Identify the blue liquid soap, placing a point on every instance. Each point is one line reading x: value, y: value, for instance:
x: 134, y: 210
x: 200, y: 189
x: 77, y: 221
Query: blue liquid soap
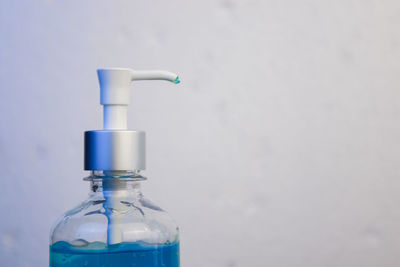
x: 97, y: 254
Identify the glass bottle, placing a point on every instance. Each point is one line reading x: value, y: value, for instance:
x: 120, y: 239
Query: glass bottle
x: 116, y: 226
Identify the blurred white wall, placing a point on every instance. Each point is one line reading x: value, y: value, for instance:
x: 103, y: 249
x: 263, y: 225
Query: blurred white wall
x: 280, y: 147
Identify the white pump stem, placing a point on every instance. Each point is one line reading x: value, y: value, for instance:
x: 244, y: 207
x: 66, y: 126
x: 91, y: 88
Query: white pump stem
x: 115, y: 117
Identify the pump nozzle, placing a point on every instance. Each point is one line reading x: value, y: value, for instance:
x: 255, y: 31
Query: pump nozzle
x: 115, y: 92
x: 116, y: 148
x: 155, y: 75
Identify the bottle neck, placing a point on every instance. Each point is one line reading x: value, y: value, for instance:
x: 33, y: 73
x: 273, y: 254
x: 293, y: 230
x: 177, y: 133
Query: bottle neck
x: 115, y: 183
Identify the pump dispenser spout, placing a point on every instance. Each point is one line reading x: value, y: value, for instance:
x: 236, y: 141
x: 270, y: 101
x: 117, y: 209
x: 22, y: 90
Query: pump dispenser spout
x: 115, y: 92
x: 115, y: 147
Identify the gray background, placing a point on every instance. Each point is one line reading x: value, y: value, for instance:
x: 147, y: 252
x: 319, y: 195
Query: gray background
x: 279, y: 148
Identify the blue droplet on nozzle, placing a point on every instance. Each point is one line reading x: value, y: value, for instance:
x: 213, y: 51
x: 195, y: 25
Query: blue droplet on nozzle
x: 177, y: 80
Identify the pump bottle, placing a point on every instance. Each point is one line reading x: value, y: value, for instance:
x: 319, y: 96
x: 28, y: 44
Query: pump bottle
x: 116, y: 225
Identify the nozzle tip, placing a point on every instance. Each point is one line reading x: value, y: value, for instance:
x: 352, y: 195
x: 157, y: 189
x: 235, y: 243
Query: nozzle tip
x: 176, y: 81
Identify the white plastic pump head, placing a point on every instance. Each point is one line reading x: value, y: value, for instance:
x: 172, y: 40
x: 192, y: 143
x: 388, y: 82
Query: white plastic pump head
x: 115, y: 147
x: 115, y: 92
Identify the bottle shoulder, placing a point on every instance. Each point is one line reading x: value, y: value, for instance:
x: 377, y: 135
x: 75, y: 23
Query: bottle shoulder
x: 136, y: 218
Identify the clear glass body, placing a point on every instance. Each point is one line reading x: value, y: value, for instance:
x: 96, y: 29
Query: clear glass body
x: 115, y: 213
